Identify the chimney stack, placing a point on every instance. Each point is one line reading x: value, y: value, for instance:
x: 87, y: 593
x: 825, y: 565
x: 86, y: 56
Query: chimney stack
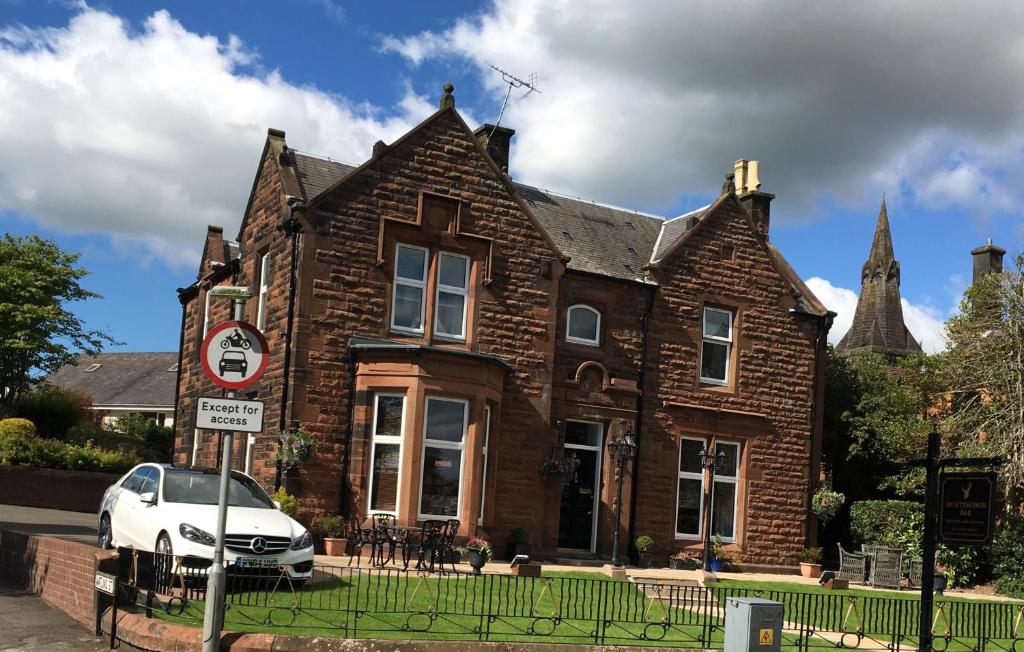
x: 987, y: 260
x: 748, y: 191
x: 497, y: 141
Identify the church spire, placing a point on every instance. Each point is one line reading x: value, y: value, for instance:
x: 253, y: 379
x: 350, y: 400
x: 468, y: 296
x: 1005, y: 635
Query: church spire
x: 878, y: 322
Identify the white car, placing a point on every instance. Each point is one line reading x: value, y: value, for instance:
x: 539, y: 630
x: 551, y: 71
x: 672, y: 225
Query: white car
x: 173, y: 510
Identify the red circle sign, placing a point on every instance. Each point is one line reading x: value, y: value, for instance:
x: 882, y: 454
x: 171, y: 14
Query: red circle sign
x: 234, y: 354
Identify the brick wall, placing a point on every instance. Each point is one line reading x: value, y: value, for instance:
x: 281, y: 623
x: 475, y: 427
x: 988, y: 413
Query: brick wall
x: 74, y: 491
x: 61, y: 572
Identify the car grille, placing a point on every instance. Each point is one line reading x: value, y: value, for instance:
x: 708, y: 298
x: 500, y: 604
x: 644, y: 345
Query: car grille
x: 243, y: 544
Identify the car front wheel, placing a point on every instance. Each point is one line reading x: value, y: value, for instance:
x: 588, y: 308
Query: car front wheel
x: 104, y: 536
x: 164, y: 560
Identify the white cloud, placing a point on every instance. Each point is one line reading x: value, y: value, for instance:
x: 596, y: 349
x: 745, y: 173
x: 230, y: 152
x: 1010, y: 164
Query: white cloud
x: 149, y: 135
x: 644, y: 102
x: 925, y: 322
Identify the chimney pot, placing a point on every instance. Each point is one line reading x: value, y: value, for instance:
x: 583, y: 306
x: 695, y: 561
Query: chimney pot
x: 747, y: 178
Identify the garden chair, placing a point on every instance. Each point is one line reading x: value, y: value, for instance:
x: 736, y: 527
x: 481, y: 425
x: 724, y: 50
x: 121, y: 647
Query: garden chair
x: 916, y: 571
x: 358, y: 536
x: 383, y: 535
x: 446, y: 544
x: 852, y: 566
x: 887, y: 568
x: 428, y: 542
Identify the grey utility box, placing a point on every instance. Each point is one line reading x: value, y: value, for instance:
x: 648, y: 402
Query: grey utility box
x: 753, y: 625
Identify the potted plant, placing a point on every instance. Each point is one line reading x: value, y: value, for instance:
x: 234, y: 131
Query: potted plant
x: 682, y: 560
x: 643, y: 548
x: 333, y: 530
x: 518, y: 542
x: 557, y: 465
x: 810, y: 562
x: 718, y: 554
x: 479, y: 553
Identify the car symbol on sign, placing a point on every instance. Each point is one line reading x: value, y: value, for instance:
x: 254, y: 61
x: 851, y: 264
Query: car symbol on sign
x: 233, y: 361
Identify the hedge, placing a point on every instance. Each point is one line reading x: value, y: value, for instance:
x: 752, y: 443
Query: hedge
x: 19, y: 450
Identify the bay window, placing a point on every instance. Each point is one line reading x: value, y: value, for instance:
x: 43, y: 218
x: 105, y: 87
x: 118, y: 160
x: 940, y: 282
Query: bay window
x: 407, y: 303
x: 444, y: 442
x: 723, y: 494
x: 483, y: 472
x: 386, y: 453
x: 717, y: 346
x: 452, y: 289
x: 690, y: 489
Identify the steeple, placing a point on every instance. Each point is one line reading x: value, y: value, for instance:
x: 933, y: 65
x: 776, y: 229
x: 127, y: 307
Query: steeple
x: 878, y: 322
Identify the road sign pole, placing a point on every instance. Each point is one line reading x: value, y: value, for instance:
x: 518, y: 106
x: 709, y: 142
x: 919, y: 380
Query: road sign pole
x: 216, y: 583
x: 928, y: 561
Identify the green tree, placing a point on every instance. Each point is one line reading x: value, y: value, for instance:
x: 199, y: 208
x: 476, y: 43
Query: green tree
x: 38, y: 333
x: 984, y: 371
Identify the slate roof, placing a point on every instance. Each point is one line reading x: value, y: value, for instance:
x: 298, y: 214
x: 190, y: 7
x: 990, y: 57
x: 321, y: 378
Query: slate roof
x: 316, y: 174
x: 122, y: 378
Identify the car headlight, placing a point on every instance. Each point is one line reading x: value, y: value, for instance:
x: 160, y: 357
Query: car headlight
x: 302, y: 542
x: 192, y: 533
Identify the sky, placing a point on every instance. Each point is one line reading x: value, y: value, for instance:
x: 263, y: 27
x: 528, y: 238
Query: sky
x: 129, y: 125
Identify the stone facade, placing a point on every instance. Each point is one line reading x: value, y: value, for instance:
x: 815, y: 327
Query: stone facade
x: 521, y: 381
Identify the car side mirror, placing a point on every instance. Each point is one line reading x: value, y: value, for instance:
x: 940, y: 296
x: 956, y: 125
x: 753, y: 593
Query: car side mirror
x: 277, y: 504
x: 148, y: 497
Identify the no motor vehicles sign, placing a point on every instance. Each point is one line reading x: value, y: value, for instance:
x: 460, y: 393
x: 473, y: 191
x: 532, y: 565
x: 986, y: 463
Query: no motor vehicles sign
x: 229, y: 414
x: 234, y: 354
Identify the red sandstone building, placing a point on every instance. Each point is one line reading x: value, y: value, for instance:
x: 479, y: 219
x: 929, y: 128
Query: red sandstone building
x: 452, y: 329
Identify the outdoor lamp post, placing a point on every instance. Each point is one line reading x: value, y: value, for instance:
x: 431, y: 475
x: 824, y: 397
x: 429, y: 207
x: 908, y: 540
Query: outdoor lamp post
x: 622, y: 450
x: 712, y: 463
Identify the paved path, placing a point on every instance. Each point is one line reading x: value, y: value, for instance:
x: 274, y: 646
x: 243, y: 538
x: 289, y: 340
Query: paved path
x: 73, y: 526
x: 28, y: 623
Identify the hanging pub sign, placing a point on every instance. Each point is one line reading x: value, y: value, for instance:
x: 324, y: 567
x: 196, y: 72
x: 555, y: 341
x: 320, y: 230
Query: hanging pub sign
x: 967, y: 508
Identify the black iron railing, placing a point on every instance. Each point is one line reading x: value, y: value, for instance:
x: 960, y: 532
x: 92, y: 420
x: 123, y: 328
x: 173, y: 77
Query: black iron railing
x: 399, y: 604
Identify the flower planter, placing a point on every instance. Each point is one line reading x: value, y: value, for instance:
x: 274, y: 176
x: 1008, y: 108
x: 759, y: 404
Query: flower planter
x: 644, y: 559
x: 716, y: 565
x: 810, y: 570
x: 335, y: 547
x: 682, y: 564
x: 476, y: 561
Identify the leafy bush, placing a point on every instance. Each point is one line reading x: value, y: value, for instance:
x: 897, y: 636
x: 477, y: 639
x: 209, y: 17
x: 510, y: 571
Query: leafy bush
x: 810, y: 556
x: 900, y: 524
x: 289, y: 503
x: 17, y: 427
x: 18, y: 450
x: 53, y: 410
x: 332, y: 527
x: 1008, y: 556
x: 643, y: 542
x: 132, y: 433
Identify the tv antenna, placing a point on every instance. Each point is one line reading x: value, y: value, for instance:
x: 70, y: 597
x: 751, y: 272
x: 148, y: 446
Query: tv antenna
x: 514, y: 82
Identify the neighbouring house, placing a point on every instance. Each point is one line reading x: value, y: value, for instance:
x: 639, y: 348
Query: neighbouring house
x: 452, y: 329
x: 878, y: 324
x: 119, y: 384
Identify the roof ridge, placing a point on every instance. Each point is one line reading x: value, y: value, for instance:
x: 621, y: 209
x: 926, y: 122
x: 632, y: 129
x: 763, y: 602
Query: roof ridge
x: 593, y: 201
x: 320, y: 156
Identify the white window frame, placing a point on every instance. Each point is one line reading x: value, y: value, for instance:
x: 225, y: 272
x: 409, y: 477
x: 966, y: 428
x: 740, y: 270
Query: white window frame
x: 463, y: 292
x: 483, y: 473
x: 599, y: 449
x: 385, y: 439
x: 250, y: 449
x: 734, y: 480
x: 583, y: 340
x: 261, y: 308
x: 413, y: 283
x: 435, y: 443
x: 206, y: 313
x: 700, y: 476
x: 195, y: 445
x: 726, y: 341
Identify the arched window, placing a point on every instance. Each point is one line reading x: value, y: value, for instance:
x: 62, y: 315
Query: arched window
x: 583, y: 325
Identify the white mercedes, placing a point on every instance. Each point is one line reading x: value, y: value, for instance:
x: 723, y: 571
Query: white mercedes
x: 173, y: 510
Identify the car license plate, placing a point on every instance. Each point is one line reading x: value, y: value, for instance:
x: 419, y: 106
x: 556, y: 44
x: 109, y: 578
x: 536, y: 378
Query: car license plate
x: 256, y: 562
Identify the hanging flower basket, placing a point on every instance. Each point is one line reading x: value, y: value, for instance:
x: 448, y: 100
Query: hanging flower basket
x: 825, y: 504
x: 559, y: 466
x: 297, y: 447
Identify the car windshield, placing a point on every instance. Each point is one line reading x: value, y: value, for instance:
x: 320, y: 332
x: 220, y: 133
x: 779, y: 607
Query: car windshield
x: 198, y: 488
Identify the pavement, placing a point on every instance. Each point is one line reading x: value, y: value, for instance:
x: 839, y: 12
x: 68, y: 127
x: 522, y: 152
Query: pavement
x: 73, y: 526
x: 28, y: 623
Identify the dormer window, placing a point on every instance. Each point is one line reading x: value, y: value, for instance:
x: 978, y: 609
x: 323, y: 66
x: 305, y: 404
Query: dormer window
x: 583, y: 325
x: 717, y: 346
x: 93, y: 367
x: 452, y: 290
x: 410, y: 288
